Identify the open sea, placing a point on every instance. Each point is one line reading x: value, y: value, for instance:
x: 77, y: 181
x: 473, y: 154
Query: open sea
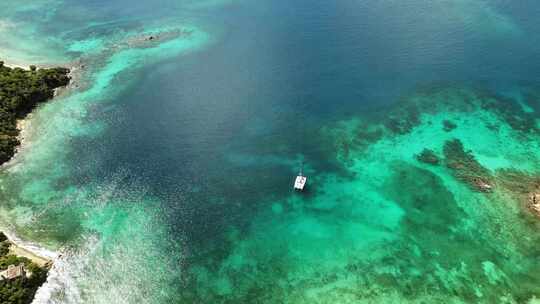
x: 164, y: 173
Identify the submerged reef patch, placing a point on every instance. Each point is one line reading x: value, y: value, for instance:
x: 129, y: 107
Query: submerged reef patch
x: 428, y: 156
x: 403, y: 120
x: 448, y: 125
x: 354, y: 135
x: 465, y: 167
x: 427, y: 203
x: 510, y: 112
x: 525, y: 187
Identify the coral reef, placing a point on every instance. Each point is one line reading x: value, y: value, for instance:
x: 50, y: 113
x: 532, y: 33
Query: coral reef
x: 465, y: 167
x: 523, y: 186
x: 448, y: 125
x: 428, y: 156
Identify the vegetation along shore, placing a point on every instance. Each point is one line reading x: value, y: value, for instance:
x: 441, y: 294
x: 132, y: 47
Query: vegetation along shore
x: 22, y: 272
x: 20, y: 91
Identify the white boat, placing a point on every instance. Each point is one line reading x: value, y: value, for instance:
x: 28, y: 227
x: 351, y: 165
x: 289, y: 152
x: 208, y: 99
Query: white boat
x: 300, y: 182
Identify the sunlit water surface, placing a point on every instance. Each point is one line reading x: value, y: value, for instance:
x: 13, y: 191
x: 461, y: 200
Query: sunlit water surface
x: 164, y: 173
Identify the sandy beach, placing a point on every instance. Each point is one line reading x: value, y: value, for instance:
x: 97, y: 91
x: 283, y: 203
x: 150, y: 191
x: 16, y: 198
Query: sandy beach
x: 34, y: 257
x: 22, y: 125
x: 36, y: 254
x: 13, y: 64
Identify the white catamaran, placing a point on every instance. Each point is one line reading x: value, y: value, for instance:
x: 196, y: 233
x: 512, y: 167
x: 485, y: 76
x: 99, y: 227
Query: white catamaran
x: 301, y: 180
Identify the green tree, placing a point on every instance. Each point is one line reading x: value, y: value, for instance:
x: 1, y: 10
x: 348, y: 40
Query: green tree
x: 20, y: 91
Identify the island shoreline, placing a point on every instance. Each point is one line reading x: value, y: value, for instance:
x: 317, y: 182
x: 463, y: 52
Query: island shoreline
x: 24, y: 125
x: 41, y: 256
x: 30, y: 249
x: 37, y: 254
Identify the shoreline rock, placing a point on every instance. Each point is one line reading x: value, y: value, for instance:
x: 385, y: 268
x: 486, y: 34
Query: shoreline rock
x: 534, y: 203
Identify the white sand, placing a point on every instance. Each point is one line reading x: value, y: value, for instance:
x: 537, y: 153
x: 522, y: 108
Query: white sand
x: 33, y: 256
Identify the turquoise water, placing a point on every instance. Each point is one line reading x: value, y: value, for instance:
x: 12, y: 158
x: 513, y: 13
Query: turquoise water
x: 164, y: 173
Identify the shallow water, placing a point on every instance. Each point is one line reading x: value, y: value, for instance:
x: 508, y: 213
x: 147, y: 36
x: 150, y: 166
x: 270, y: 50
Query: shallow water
x: 164, y: 173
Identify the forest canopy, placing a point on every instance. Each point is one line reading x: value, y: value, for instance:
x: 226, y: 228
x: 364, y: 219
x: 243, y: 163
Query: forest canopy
x: 20, y: 91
